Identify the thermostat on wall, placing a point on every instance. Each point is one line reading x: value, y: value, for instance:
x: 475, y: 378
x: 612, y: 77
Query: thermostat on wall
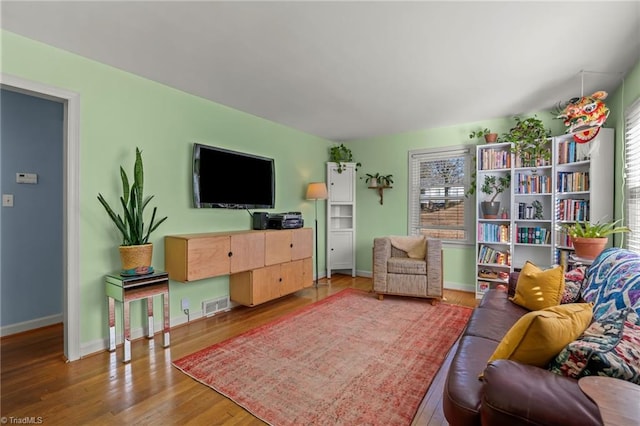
x: 26, y: 178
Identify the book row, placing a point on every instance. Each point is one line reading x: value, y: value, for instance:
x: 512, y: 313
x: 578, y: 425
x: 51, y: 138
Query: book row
x: 573, y: 181
x: 493, y: 233
x: 572, y: 210
x: 488, y: 254
x: 532, y: 235
x: 532, y: 184
x: 568, y: 153
x: 494, y: 159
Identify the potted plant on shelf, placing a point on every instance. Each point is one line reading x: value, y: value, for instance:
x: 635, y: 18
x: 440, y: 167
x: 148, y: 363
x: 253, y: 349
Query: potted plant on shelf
x: 341, y: 154
x: 589, y: 239
x: 492, y: 186
x: 379, y: 180
x: 530, y: 141
x: 135, y: 251
x: 488, y: 135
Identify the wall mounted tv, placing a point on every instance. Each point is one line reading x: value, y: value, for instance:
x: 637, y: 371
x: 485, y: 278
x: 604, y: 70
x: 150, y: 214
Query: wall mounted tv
x: 232, y: 180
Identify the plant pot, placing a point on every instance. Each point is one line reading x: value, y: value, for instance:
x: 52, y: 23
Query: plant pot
x: 136, y: 260
x: 589, y: 248
x: 491, y: 137
x: 490, y: 209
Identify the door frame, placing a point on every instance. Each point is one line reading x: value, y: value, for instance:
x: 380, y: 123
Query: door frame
x: 70, y: 202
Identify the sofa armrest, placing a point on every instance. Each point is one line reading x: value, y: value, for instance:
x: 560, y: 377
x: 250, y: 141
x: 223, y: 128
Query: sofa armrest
x: 519, y: 394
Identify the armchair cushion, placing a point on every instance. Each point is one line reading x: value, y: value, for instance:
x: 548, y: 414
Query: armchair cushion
x: 415, y: 247
x: 405, y: 265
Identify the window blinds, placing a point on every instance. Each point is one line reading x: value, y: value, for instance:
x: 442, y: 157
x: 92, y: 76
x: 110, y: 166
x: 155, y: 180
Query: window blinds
x: 438, y: 180
x: 632, y: 175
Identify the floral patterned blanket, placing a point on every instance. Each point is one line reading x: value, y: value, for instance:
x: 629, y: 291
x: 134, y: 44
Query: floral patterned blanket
x: 613, y: 282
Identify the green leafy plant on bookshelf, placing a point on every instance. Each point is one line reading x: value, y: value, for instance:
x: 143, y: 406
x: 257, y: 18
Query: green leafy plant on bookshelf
x: 529, y: 137
x: 589, y: 239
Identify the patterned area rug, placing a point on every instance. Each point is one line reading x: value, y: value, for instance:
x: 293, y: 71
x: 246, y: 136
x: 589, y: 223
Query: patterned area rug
x: 349, y: 359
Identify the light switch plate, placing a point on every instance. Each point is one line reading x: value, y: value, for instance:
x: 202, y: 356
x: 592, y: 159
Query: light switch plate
x: 7, y: 200
x: 26, y: 178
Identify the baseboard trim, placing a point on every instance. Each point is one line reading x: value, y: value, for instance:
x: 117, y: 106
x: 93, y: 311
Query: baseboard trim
x: 459, y: 286
x: 20, y: 327
x: 100, y: 345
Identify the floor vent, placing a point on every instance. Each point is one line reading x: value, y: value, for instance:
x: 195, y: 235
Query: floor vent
x: 213, y: 306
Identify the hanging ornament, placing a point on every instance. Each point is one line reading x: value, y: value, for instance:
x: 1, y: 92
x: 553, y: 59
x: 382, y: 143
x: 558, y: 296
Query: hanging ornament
x: 584, y: 116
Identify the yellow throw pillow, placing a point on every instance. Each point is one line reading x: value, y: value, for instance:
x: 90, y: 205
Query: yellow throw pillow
x: 538, y: 289
x: 538, y: 336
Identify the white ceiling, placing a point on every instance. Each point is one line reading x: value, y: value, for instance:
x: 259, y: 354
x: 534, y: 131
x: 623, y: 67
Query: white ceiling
x: 345, y: 70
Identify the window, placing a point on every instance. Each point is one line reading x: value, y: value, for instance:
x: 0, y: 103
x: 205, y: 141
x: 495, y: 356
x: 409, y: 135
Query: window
x: 438, y: 180
x: 632, y: 175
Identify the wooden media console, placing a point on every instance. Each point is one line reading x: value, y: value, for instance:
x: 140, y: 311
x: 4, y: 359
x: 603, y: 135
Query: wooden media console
x: 262, y: 264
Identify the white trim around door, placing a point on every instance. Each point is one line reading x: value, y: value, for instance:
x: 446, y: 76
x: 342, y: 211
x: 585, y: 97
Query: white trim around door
x: 71, y: 202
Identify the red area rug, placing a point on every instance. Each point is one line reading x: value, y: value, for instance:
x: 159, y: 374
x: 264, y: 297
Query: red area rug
x: 349, y: 359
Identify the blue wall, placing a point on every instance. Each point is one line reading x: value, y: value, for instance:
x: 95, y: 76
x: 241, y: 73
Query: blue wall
x: 31, y: 255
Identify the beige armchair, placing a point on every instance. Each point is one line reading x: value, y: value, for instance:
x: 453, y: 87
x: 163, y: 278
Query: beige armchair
x: 407, y: 266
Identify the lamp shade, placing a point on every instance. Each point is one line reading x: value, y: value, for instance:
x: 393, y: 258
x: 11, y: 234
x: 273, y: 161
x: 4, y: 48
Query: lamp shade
x: 317, y: 191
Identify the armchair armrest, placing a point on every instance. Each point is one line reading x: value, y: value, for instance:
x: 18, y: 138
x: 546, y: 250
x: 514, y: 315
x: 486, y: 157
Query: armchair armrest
x: 433, y: 257
x: 381, y: 254
x: 519, y: 394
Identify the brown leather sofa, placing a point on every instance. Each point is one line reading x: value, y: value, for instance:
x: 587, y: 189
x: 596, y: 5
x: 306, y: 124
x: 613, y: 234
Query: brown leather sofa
x: 511, y: 393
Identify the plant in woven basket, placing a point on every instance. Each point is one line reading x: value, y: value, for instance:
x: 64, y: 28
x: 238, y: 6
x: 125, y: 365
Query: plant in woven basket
x: 131, y: 222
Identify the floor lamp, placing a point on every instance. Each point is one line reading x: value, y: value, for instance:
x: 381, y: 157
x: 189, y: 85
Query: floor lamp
x: 317, y: 191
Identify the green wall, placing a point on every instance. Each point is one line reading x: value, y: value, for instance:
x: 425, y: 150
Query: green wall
x: 120, y: 111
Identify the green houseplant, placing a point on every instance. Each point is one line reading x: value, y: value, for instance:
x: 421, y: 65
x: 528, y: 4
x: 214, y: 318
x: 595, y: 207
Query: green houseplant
x: 589, y: 239
x: 135, y: 250
x: 488, y: 135
x: 379, y: 180
x: 341, y: 154
x: 492, y: 186
x: 530, y: 141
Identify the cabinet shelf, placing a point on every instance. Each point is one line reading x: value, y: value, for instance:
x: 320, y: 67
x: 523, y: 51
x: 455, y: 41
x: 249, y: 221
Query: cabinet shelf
x: 495, y: 265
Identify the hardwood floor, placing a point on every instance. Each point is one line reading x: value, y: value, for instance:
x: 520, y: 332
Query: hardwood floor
x: 100, y: 389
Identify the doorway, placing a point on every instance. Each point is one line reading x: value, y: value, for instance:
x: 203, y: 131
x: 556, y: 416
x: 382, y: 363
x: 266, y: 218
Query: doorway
x: 70, y: 201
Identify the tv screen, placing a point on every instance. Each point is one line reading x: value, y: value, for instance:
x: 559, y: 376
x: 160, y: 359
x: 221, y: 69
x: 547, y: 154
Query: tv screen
x: 232, y: 180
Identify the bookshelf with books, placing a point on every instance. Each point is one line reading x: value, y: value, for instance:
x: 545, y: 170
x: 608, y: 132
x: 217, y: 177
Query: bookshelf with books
x: 533, y: 210
x: 576, y: 184
x: 493, y: 235
x: 583, y: 186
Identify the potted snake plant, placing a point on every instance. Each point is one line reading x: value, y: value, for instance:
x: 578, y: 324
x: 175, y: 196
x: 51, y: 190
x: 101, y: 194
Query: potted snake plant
x: 135, y: 251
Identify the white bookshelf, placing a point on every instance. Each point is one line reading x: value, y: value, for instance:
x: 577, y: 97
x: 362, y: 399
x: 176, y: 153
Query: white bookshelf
x: 552, y: 187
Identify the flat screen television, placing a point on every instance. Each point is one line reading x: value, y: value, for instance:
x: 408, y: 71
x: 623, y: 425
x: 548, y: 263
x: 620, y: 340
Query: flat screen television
x: 232, y: 180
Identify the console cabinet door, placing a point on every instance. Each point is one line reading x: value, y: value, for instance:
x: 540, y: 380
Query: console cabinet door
x: 307, y: 272
x: 292, y: 275
x: 277, y: 247
x: 247, y: 251
x: 302, y: 243
x: 190, y: 259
